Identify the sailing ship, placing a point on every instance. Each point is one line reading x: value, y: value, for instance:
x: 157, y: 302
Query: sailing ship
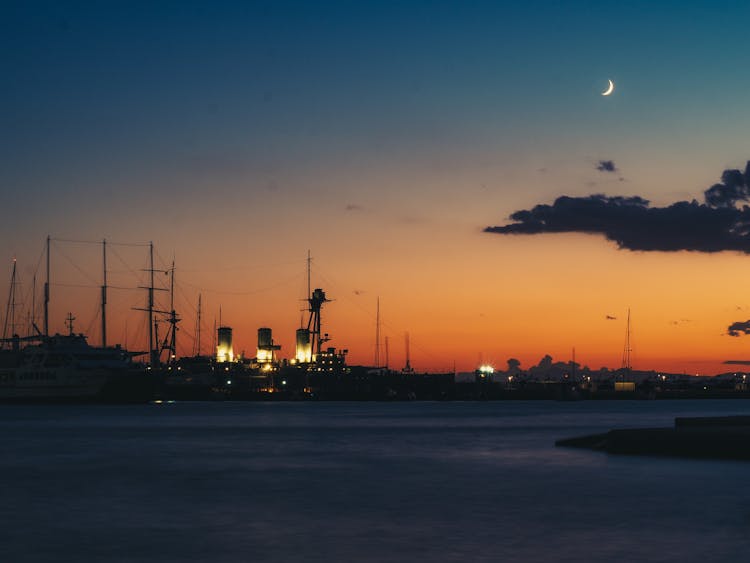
x: 64, y: 367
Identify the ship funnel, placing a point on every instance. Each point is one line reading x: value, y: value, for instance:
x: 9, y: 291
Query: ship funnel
x: 224, y: 352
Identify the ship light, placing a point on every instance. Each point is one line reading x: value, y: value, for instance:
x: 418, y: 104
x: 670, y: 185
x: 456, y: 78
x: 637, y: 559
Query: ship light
x: 283, y: 382
x: 486, y: 369
x: 229, y: 381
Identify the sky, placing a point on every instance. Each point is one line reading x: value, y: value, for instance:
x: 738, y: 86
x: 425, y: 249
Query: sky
x: 384, y: 137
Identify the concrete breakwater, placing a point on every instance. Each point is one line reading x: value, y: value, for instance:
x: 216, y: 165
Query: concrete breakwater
x: 700, y: 437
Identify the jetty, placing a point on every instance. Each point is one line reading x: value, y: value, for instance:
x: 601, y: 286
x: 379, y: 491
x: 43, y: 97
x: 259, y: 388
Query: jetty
x: 725, y: 437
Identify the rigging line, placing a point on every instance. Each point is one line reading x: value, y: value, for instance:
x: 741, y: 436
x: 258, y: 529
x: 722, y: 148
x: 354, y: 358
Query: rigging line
x: 261, y: 266
x: 252, y: 292
x: 75, y: 241
x: 133, y: 272
x: 39, y: 261
x: 94, y: 319
x: 80, y: 270
x: 393, y: 331
x: 78, y: 241
x: 165, y: 265
x: 73, y: 285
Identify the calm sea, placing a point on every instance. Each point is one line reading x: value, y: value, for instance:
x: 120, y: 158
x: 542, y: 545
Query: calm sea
x: 360, y: 482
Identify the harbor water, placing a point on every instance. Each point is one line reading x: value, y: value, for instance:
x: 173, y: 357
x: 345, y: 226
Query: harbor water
x: 421, y: 481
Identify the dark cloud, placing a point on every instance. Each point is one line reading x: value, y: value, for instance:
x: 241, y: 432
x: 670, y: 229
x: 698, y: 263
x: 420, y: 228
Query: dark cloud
x: 633, y: 224
x: 738, y: 328
x: 611, y: 318
x: 734, y: 187
x: 354, y: 207
x: 606, y: 166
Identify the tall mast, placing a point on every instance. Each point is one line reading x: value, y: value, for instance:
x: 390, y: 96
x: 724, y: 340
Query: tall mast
x: 10, y: 309
x: 13, y: 301
x: 154, y: 349
x: 152, y: 352
x: 173, y: 321
x: 33, y: 328
x: 573, y: 367
x: 46, y: 296
x: 104, y: 294
x: 407, y: 367
x: 386, y: 352
x: 309, y: 262
x: 377, y: 335
x: 198, y: 328
x: 627, y: 351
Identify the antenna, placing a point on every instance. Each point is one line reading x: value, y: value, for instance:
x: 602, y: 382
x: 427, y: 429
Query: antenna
x: 69, y: 321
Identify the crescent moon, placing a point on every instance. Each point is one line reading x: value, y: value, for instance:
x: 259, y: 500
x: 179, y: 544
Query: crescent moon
x: 610, y: 89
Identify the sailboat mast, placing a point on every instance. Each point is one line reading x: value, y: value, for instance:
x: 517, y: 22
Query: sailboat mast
x: 626, y: 359
x: 104, y: 293
x: 386, y: 352
x: 13, y: 301
x: 46, y: 295
x: 151, y: 347
x: 10, y: 309
x: 173, y: 321
x: 407, y: 367
x: 32, y: 328
x: 377, y: 335
x: 198, y: 328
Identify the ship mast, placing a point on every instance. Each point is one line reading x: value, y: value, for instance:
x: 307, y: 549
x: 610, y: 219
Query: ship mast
x: 154, y: 359
x: 626, y: 366
x: 46, y: 296
x: 104, y: 294
x: 316, y: 299
x: 198, y: 328
x: 309, y: 262
x: 153, y: 352
x: 407, y: 367
x: 33, y: 327
x: 173, y: 320
x: 377, y: 335
x: 10, y: 310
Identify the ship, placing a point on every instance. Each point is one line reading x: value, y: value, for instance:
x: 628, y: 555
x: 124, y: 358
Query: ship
x: 44, y: 367
x: 66, y: 368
